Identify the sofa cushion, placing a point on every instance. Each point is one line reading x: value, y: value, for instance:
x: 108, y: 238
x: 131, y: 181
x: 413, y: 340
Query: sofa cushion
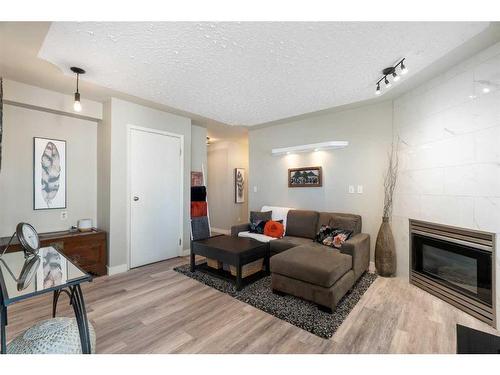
x: 339, y: 220
x: 302, y: 223
x: 288, y: 242
x: 318, y: 265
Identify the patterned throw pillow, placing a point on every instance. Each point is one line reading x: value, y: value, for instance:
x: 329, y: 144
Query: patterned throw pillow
x: 257, y: 226
x: 333, y: 237
x: 258, y: 215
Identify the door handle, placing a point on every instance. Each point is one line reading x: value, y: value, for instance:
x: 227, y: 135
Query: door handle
x: 136, y: 198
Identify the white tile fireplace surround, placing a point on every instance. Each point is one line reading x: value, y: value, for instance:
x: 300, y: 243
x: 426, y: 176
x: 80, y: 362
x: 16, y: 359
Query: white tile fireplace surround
x: 450, y: 152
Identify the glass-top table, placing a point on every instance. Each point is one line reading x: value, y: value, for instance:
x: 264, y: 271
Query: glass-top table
x: 24, y: 277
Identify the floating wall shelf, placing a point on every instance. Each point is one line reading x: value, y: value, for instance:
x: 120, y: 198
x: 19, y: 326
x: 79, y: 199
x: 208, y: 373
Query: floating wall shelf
x: 309, y: 148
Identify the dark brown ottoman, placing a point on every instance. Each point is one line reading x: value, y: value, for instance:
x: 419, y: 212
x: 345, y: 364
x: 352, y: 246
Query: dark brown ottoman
x: 234, y: 251
x: 313, y: 272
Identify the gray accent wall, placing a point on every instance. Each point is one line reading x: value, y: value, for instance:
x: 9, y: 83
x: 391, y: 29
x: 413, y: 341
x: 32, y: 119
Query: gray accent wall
x: 369, y: 132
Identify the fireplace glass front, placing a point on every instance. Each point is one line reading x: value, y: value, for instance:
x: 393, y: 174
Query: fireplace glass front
x: 465, y: 269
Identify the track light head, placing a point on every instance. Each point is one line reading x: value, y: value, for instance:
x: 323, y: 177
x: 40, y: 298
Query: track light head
x: 395, y: 77
x: 377, y: 91
x: 387, y: 82
x: 404, y: 69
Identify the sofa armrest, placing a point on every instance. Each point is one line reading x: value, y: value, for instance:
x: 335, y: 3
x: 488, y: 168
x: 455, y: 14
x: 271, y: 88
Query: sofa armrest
x: 358, y: 247
x: 235, y: 229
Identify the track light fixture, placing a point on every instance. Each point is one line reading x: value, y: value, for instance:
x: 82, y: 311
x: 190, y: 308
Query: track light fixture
x: 77, y: 106
x: 391, y: 71
x: 404, y: 69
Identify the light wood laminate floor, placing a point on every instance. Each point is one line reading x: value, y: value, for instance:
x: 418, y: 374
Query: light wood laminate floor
x: 153, y: 309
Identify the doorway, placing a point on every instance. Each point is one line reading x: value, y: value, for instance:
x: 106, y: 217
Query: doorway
x: 155, y: 195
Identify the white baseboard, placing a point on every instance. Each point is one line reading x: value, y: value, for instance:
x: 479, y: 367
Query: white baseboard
x: 114, y: 270
x: 185, y: 252
x: 221, y: 231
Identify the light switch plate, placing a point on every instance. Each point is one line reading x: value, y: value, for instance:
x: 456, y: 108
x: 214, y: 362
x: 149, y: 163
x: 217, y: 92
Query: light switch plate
x: 351, y: 189
x: 255, y: 189
x: 360, y: 189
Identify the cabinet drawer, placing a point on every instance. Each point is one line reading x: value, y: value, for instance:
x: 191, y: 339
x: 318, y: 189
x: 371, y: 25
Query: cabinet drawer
x: 83, y: 252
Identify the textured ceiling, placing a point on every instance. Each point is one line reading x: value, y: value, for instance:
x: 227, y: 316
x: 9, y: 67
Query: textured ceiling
x: 247, y: 73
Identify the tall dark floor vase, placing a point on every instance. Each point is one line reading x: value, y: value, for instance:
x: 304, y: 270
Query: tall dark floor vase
x: 385, y: 250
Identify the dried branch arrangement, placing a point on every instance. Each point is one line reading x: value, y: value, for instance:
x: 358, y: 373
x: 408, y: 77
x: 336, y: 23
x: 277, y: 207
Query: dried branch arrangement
x: 391, y: 178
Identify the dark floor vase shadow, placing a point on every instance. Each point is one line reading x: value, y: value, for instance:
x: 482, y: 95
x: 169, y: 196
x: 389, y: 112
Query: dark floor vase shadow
x: 300, y: 313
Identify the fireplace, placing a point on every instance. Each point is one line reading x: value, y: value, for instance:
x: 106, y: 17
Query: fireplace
x: 456, y: 265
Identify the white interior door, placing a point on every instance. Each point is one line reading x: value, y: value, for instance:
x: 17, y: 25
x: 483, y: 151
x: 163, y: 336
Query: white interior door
x: 155, y: 196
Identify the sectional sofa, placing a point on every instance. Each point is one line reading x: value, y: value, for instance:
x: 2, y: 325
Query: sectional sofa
x: 310, y: 270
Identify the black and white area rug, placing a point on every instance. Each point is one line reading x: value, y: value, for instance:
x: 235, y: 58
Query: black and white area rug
x: 300, y: 313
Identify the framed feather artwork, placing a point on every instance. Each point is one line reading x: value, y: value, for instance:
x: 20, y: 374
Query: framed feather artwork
x: 239, y: 185
x: 49, y: 173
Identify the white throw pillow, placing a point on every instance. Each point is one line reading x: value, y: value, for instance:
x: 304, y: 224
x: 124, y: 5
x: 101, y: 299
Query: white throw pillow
x: 256, y: 236
x: 279, y: 213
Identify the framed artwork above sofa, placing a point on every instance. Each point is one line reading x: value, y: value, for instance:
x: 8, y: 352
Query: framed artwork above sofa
x: 305, y: 177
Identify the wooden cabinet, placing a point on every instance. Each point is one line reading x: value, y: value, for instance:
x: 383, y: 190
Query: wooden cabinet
x: 88, y: 250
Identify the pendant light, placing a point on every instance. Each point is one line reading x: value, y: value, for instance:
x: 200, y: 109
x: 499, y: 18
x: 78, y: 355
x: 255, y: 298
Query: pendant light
x: 77, y: 106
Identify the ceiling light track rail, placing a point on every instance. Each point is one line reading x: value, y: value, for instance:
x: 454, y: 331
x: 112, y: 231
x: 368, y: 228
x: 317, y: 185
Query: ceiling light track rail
x: 391, y: 72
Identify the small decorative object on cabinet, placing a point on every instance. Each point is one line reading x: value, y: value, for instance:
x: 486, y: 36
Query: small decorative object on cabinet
x: 85, y: 225
x: 385, y: 250
x: 88, y: 250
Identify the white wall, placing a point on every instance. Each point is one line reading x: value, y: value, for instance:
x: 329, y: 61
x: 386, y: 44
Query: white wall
x: 450, y: 152
x: 198, y: 148
x: 368, y: 130
x: 21, y: 124
x: 121, y: 114
x: 223, y: 158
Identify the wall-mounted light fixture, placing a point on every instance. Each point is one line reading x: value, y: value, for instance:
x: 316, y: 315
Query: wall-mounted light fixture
x: 309, y: 148
x: 391, y: 72
x: 77, y: 106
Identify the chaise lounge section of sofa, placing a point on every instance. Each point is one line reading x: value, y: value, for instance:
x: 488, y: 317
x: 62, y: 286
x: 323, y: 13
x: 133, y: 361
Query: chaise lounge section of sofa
x: 310, y: 270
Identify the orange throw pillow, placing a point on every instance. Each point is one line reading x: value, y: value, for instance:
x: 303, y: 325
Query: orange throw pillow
x: 274, y: 229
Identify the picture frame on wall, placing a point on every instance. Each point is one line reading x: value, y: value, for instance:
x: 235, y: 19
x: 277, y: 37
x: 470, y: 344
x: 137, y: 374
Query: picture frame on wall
x: 196, y: 178
x: 305, y: 177
x: 239, y: 185
x: 49, y: 173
